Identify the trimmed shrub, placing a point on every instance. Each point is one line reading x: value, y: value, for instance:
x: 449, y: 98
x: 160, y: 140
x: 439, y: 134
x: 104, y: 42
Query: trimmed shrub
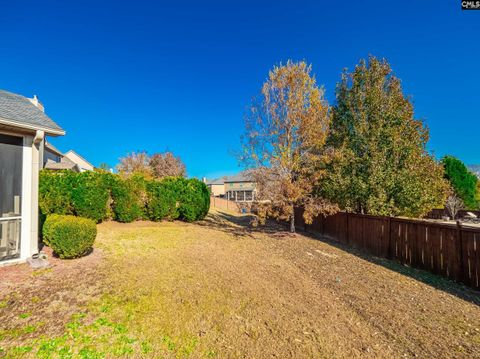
x: 177, y: 198
x: 162, y: 200
x: 128, y: 198
x: 55, y: 192
x: 101, y: 195
x: 69, y: 236
x: 82, y: 194
x: 194, y: 200
x: 90, y: 195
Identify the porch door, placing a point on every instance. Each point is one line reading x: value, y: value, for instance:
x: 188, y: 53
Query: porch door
x: 11, y: 156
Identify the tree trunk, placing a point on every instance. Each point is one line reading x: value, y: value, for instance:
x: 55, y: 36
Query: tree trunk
x: 292, y: 222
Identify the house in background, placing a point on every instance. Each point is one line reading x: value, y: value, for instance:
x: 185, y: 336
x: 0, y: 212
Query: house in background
x: 238, y: 188
x: 216, y: 186
x: 53, y: 159
x: 81, y: 162
x: 23, y: 127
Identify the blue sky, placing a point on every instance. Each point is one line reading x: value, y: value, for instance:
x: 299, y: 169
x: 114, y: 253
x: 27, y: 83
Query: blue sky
x: 178, y: 75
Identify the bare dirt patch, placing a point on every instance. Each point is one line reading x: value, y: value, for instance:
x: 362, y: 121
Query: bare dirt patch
x: 220, y: 288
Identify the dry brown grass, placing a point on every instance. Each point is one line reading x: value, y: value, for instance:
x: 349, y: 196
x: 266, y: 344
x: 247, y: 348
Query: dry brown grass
x: 221, y: 289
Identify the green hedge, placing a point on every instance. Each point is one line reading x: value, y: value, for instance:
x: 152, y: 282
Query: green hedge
x: 69, y: 236
x: 162, y: 200
x: 100, y: 196
x: 128, y: 198
x: 194, y: 200
x: 82, y: 194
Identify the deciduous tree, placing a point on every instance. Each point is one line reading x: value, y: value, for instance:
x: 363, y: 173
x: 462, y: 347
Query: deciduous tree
x: 135, y: 163
x: 463, y: 182
x: 283, y: 145
x: 453, y: 205
x: 166, y: 165
x: 381, y: 164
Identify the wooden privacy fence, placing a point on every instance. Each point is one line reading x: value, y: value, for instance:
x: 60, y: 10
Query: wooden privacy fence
x: 225, y: 204
x: 450, y: 250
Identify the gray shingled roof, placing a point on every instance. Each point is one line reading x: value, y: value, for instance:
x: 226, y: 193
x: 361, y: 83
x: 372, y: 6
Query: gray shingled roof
x: 50, y: 165
x: 241, y: 177
x: 226, y: 179
x: 19, y: 109
x: 220, y: 180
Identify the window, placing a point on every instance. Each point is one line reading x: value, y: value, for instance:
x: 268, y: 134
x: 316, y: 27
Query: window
x: 240, y: 196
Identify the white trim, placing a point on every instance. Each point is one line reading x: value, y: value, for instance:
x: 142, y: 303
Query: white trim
x: 49, y: 131
x: 11, y: 262
x: 26, y: 214
x: 2, y: 219
x: 11, y: 133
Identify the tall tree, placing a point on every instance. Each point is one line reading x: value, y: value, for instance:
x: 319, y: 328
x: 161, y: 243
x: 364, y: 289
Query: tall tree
x: 283, y: 144
x: 381, y: 163
x: 463, y: 182
x: 167, y: 165
x: 135, y: 163
x: 477, y: 195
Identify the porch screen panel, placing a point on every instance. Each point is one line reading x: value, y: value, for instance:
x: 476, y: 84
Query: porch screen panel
x: 11, y: 152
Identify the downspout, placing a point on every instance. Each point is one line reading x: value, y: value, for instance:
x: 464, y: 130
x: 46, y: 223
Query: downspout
x: 39, y: 140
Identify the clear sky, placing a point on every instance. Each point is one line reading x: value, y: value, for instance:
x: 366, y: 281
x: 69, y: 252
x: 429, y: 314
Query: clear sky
x: 177, y: 75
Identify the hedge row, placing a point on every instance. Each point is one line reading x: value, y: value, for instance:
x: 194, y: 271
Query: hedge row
x: 100, y: 196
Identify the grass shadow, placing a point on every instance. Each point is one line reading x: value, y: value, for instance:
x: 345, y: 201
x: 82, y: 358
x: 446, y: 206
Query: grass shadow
x: 436, y: 281
x: 240, y: 225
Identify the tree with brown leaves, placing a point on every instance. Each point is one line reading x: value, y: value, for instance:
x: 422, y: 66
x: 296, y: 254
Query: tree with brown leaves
x: 167, y: 165
x: 135, y: 163
x: 283, y: 144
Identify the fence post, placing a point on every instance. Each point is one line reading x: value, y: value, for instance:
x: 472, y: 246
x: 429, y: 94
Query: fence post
x: 389, y: 251
x: 347, y: 234
x: 461, y: 274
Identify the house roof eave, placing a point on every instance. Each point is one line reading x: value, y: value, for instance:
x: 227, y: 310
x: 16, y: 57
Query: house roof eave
x: 25, y: 126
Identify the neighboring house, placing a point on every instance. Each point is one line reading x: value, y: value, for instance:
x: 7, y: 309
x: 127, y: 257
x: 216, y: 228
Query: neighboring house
x: 475, y: 169
x: 216, y: 186
x: 53, y: 159
x: 238, y: 188
x: 23, y: 127
x: 81, y: 162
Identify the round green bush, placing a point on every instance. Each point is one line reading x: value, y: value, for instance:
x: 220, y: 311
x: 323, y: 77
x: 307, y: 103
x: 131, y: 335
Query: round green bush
x: 69, y: 236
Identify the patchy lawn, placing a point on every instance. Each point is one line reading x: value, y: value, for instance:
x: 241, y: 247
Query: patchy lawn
x: 220, y: 289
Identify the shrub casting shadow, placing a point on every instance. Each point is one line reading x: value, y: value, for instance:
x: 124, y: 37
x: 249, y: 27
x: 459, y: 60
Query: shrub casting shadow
x: 241, y: 225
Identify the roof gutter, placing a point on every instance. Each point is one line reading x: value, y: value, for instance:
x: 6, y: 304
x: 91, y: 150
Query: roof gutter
x: 48, y: 131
